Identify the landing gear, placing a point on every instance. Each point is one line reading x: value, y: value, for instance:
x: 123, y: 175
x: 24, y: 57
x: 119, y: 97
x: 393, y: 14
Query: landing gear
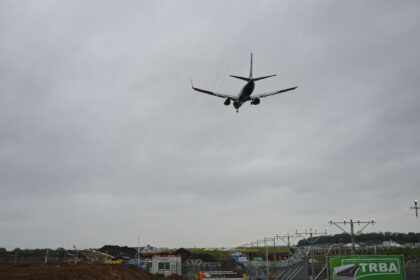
x: 237, y: 104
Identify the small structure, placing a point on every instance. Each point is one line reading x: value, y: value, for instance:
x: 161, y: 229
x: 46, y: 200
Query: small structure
x: 391, y: 244
x: 166, y: 265
x: 238, y: 257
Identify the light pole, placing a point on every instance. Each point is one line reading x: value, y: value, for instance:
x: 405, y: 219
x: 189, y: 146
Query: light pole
x: 266, y: 257
x: 416, y: 208
x: 311, y: 234
x: 286, y: 238
x: 311, y: 241
x: 351, y: 223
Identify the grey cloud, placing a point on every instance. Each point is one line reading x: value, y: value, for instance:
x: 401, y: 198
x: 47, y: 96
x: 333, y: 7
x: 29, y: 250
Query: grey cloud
x: 101, y: 131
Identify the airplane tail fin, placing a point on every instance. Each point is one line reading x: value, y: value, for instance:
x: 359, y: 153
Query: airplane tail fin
x: 250, y: 69
x: 244, y: 78
x: 250, y: 75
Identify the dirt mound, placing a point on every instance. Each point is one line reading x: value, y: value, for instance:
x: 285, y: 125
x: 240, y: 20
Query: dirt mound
x: 77, y: 272
x: 119, y: 251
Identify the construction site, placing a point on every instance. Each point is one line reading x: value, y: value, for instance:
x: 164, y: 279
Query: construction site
x: 237, y: 140
x: 281, y: 257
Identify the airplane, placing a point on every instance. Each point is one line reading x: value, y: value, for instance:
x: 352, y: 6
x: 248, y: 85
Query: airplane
x: 245, y: 93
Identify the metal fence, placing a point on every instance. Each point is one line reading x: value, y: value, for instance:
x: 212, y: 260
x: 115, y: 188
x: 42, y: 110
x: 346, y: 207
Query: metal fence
x: 293, y: 268
x: 306, y: 266
x: 35, y: 259
x: 412, y: 270
x: 310, y: 264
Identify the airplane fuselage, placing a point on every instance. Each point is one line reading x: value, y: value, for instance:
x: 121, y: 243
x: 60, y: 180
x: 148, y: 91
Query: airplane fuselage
x: 245, y: 94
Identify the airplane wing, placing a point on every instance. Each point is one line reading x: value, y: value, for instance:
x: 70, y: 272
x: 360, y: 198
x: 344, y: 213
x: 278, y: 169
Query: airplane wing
x: 222, y: 95
x: 253, y: 97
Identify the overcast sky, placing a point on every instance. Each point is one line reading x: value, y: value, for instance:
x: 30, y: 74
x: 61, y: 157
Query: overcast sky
x: 103, y: 140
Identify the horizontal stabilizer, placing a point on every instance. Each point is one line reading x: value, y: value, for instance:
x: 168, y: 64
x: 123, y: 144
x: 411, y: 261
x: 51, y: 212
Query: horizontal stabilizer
x: 265, y: 77
x: 241, y: 78
x: 252, y: 79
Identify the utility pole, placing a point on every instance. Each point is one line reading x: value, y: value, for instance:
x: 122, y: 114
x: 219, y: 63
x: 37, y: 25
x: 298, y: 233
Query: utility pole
x: 286, y: 239
x: 46, y: 257
x: 351, y: 223
x: 312, y: 264
x: 266, y: 257
x: 75, y: 260
x: 138, y: 251
x: 308, y: 235
x: 416, y: 208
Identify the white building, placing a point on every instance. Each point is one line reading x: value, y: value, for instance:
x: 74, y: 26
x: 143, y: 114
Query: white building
x: 166, y: 265
x: 391, y: 244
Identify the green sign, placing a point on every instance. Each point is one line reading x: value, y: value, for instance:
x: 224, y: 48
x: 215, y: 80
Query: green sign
x: 365, y: 268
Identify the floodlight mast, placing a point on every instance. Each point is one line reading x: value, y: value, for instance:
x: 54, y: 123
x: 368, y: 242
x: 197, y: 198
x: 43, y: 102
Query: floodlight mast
x: 416, y: 208
x: 311, y: 241
x: 351, y: 223
x: 266, y: 256
x: 287, y: 238
x: 311, y: 234
x: 77, y: 251
x: 138, y: 251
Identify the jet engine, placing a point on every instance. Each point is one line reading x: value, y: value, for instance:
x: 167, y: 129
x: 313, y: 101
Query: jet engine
x: 256, y: 101
x: 227, y: 102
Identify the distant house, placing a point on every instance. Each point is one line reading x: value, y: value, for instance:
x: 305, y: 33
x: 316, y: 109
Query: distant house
x: 166, y: 265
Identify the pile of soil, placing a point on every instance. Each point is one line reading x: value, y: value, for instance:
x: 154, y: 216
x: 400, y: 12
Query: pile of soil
x: 119, y: 251
x: 78, y: 272
x: 185, y: 254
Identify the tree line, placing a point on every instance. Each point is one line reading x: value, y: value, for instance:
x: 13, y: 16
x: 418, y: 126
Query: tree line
x: 367, y: 238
